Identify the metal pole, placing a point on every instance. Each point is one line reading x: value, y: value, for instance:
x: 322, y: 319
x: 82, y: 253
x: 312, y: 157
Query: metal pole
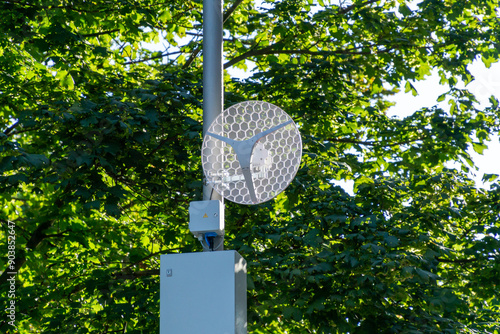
x: 213, y: 85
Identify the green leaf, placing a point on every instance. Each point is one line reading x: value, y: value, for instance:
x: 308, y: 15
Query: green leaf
x: 391, y: 241
x: 488, y: 60
x: 18, y: 178
x: 292, y: 313
x: 36, y: 160
x: 66, y: 79
x: 409, y: 87
x: 479, y: 148
x: 489, y: 177
x: 112, y: 209
x: 312, y: 238
x: 482, y: 135
x: 405, y: 10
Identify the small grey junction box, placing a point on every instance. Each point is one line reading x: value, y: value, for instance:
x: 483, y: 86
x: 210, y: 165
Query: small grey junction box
x: 203, y: 293
x: 206, y: 216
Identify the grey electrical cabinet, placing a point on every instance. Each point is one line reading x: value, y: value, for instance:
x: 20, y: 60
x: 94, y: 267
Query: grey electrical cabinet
x: 203, y: 293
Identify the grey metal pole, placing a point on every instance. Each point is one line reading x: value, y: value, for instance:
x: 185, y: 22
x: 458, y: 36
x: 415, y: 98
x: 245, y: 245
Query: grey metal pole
x: 213, y: 85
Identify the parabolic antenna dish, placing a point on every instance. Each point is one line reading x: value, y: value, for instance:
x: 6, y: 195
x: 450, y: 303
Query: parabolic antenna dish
x: 251, y: 152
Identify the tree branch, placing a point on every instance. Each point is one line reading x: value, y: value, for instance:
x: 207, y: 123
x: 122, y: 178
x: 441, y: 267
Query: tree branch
x: 73, y: 8
x: 197, y: 50
x: 137, y: 274
x: 370, y: 143
x: 162, y: 142
x: 460, y: 261
x: 230, y: 11
x: 162, y: 55
x: 24, y: 130
x: 193, y: 56
x: 97, y: 34
x: 270, y: 50
x: 351, y: 7
x: 10, y: 128
x: 36, y: 238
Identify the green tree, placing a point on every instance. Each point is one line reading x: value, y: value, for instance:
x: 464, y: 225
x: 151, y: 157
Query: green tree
x: 99, y: 159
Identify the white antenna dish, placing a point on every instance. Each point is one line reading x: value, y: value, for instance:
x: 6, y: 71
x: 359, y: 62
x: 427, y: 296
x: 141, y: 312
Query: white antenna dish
x: 251, y: 152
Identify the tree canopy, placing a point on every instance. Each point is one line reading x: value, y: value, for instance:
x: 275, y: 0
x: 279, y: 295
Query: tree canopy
x: 100, y: 137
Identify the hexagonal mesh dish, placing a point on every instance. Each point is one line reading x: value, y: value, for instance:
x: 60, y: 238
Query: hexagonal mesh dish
x: 251, y: 152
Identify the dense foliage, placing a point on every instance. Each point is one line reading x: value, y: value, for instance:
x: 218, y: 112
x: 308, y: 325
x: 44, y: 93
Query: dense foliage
x: 99, y: 158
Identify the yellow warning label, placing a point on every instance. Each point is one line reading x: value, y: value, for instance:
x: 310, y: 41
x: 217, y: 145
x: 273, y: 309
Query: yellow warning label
x: 205, y: 216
